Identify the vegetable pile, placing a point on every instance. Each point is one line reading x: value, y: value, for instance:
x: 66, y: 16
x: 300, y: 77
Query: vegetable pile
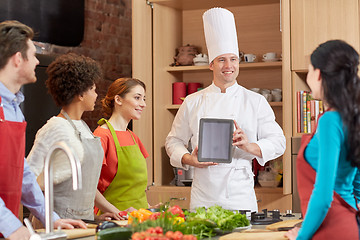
x: 157, y: 233
x: 225, y: 220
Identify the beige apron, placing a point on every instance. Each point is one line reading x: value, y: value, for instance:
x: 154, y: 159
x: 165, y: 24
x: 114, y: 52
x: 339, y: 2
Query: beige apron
x: 79, y: 204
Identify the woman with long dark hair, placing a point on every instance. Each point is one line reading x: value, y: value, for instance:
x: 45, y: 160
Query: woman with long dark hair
x: 328, y: 160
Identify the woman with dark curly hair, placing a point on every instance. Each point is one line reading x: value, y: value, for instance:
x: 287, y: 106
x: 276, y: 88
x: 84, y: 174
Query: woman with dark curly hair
x: 328, y: 160
x: 123, y: 178
x: 71, y: 82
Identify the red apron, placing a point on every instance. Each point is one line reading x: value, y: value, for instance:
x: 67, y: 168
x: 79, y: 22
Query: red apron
x: 340, y: 221
x: 12, y: 153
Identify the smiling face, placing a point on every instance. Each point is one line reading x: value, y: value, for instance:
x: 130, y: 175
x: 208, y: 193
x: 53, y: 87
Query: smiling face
x: 132, y: 105
x: 27, y: 67
x: 225, y: 69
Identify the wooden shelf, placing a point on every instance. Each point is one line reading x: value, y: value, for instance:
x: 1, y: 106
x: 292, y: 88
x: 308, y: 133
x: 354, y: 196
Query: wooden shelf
x: 206, y: 4
x: 277, y: 64
x: 177, y: 106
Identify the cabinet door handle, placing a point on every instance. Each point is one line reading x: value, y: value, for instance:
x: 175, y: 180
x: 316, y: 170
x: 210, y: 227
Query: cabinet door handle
x: 178, y: 199
x: 259, y: 200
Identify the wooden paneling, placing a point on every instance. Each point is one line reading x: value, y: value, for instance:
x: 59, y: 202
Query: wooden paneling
x: 167, y: 30
x: 314, y: 22
x: 273, y: 198
x: 287, y: 95
x: 142, y: 69
x: 258, y: 28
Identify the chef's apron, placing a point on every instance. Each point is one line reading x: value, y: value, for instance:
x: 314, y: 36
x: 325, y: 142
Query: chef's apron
x: 12, y: 153
x: 127, y: 189
x: 79, y: 204
x: 228, y: 185
x: 340, y: 221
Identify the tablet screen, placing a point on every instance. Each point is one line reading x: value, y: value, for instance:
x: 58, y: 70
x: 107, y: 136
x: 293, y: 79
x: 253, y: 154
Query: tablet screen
x: 215, y: 140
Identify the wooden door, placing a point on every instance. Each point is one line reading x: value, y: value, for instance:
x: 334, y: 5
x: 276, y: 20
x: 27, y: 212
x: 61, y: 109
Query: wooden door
x: 314, y: 22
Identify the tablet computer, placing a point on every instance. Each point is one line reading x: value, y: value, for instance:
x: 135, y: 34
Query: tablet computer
x: 215, y: 140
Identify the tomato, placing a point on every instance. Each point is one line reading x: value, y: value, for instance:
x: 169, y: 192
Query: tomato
x: 155, y: 216
x: 159, y: 230
x: 169, y: 234
x: 177, y: 235
x: 176, y: 210
x: 123, y: 214
x: 151, y: 230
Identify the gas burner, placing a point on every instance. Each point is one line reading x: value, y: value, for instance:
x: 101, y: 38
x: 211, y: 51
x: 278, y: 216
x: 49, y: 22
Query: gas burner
x: 263, y: 219
x: 289, y: 214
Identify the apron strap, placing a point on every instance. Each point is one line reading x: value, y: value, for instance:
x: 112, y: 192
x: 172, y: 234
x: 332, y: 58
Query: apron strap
x: 77, y: 132
x: 113, y: 134
x: 2, y: 116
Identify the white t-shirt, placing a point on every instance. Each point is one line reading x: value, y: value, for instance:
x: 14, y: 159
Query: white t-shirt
x: 57, y: 129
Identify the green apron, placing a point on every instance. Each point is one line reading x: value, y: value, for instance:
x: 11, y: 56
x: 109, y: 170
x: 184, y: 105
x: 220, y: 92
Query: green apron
x: 127, y: 189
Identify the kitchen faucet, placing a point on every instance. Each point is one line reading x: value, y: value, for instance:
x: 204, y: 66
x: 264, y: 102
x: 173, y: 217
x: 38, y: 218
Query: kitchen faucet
x: 49, y: 193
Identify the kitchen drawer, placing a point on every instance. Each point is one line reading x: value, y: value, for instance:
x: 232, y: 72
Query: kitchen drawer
x: 273, y: 198
x: 173, y: 194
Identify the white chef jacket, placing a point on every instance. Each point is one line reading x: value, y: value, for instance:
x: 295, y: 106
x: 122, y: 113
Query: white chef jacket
x: 228, y: 185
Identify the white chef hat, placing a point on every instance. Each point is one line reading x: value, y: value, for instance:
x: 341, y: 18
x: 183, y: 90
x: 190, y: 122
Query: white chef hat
x: 220, y: 32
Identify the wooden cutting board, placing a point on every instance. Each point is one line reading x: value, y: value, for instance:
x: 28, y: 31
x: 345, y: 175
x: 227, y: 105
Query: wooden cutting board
x: 75, y: 233
x: 120, y: 222
x: 282, y: 224
x: 254, y: 236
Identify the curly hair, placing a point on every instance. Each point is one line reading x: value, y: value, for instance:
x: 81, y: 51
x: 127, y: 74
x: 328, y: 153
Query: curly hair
x: 13, y: 38
x: 119, y: 87
x: 71, y: 75
x: 338, y: 64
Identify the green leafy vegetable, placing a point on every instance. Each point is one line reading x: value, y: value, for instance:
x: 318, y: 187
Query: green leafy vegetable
x: 225, y: 220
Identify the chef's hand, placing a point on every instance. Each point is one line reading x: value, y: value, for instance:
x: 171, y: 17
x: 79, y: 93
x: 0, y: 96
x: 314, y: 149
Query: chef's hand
x: 192, y: 160
x: 21, y: 233
x: 69, y: 224
x: 241, y: 141
x: 109, y: 216
x: 292, y: 234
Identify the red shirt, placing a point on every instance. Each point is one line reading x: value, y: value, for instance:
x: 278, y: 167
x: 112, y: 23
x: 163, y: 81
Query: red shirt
x: 110, y: 162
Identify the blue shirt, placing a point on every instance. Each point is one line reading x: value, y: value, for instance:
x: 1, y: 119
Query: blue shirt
x: 327, y: 154
x: 32, y: 196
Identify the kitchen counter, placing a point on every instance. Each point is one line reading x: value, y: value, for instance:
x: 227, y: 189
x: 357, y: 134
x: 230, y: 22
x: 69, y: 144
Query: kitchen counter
x: 253, y: 227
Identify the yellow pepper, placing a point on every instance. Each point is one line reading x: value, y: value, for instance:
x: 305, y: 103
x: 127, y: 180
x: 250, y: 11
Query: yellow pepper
x: 142, y: 214
x: 178, y: 220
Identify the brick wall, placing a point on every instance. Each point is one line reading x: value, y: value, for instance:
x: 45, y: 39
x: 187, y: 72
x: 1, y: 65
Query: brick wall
x: 107, y: 39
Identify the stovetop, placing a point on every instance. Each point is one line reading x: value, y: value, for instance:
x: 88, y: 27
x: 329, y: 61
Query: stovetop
x: 268, y: 217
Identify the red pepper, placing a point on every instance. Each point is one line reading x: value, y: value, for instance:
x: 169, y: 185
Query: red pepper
x: 123, y: 214
x: 176, y: 210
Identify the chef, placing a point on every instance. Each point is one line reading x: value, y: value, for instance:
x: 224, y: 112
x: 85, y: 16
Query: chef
x: 256, y: 134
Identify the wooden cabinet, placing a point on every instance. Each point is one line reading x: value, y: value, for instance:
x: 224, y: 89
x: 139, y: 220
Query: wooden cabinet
x: 314, y: 22
x: 269, y: 198
x: 160, y: 26
x: 273, y: 198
